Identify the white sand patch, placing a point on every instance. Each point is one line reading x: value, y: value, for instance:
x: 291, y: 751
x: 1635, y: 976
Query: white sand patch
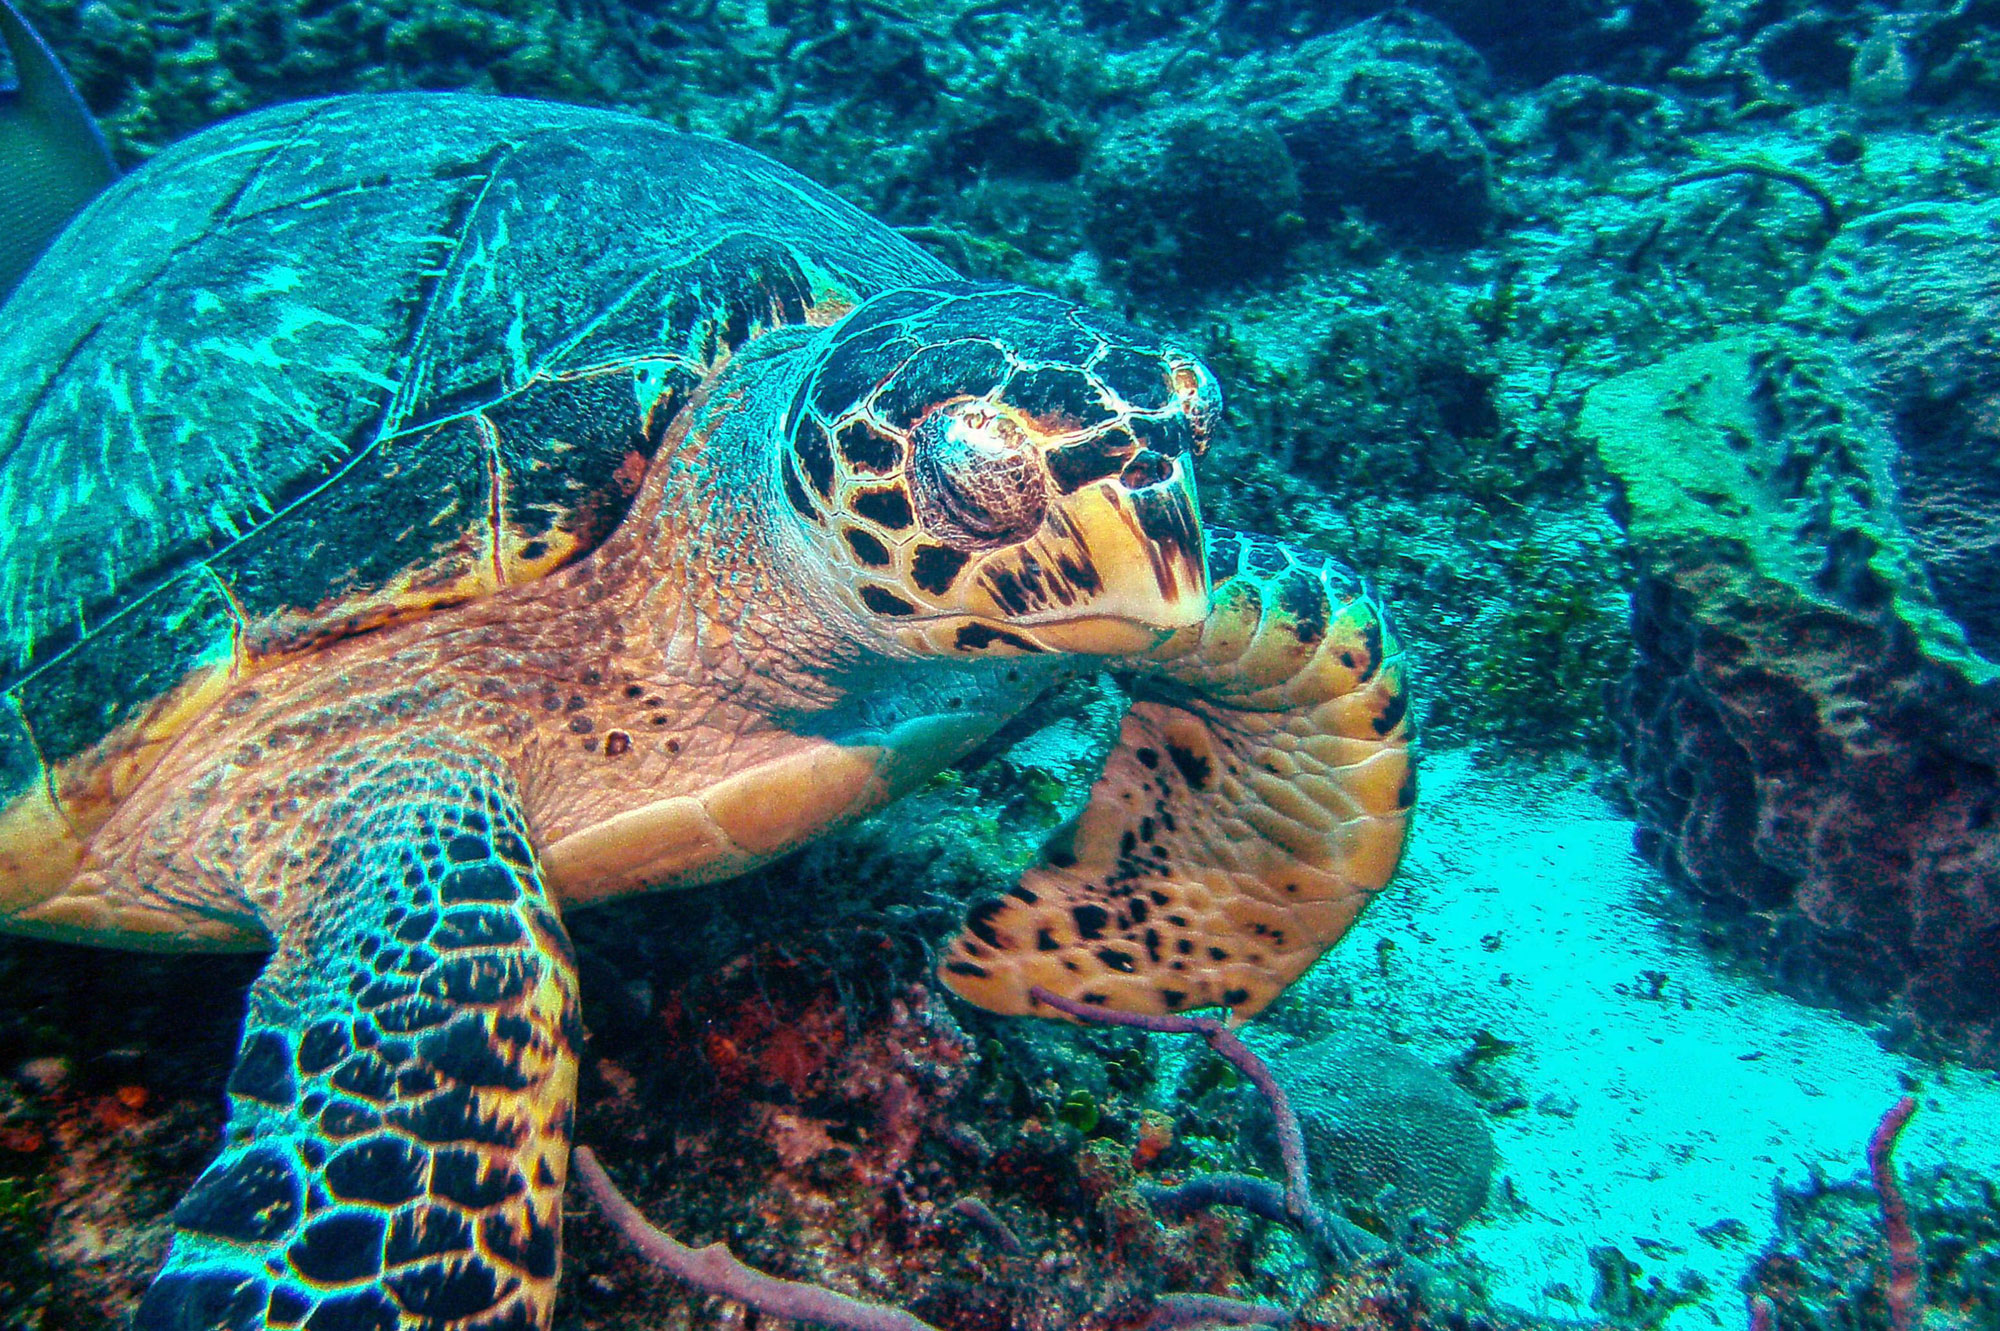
x: 1656, y: 1108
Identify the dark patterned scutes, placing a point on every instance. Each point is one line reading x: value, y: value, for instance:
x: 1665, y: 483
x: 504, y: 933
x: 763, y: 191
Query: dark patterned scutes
x: 20, y: 764
x: 404, y: 1073
x: 1060, y: 398
x: 151, y: 645
x: 936, y: 375
x: 338, y: 321
x: 1036, y: 326
x: 1135, y: 376
x: 858, y: 363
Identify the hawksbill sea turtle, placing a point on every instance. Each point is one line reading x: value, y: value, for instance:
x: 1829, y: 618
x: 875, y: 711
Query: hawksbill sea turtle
x: 426, y: 514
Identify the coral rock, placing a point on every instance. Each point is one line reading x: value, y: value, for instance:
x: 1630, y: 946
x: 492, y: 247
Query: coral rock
x: 1814, y: 744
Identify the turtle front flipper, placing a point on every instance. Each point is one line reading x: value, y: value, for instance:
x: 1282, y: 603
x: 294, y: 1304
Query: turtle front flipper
x: 400, y: 1110
x: 1257, y: 799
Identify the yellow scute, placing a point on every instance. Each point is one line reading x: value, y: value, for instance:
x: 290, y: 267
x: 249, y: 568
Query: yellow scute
x: 737, y: 823
x: 39, y: 853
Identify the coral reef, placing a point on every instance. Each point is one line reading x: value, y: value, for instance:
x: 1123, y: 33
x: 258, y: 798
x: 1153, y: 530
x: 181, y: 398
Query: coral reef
x: 1374, y: 119
x: 1393, y: 1141
x: 1810, y: 734
x: 1830, y: 1267
x: 1181, y: 203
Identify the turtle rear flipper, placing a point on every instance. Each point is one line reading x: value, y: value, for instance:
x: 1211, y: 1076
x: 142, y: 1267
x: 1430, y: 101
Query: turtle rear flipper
x: 401, y: 1106
x: 1257, y: 799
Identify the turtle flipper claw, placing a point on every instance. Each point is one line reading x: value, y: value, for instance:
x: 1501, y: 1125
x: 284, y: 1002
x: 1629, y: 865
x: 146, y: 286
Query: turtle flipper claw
x: 401, y: 1104
x: 1257, y: 799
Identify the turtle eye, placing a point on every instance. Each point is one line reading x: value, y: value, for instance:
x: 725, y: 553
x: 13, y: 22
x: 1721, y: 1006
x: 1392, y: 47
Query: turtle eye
x: 976, y: 477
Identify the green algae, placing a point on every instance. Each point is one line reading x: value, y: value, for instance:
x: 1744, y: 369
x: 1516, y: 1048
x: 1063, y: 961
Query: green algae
x: 1705, y: 474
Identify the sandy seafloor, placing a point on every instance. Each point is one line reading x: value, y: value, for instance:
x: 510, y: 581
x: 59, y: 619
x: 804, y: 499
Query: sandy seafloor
x: 1522, y: 911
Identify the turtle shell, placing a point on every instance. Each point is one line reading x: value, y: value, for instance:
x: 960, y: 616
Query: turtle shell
x: 339, y: 363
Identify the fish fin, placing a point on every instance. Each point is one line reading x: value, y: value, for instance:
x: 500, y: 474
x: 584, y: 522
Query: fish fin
x: 53, y: 160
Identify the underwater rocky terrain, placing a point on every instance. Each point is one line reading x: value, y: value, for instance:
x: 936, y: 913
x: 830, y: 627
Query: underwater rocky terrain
x: 1641, y: 351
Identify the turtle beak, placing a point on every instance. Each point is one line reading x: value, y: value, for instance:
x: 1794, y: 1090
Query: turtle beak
x: 1117, y: 564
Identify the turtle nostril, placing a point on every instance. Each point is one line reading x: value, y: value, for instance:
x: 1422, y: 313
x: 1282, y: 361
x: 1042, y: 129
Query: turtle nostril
x: 1149, y: 468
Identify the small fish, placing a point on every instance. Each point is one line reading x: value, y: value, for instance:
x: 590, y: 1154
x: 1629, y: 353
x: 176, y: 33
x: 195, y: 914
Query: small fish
x: 53, y: 160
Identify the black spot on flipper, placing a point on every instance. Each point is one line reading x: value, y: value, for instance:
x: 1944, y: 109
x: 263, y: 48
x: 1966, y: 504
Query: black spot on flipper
x: 1090, y: 920
x: 476, y: 927
x: 1217, y: 954
x: 1371, y: 640
x: 473, y: 1180
x: 980, y: 921
x: 366, y: 1076
x: 1021, y: 892
x: 363, y: 1310
x: 530, y: 1248
x: 426, y: 1231
x: 1299, y: 596
x: 416, y: 1013
x: 446, y: 1290
x: 383, y: 1171
x: 1392, y: 713
x: 1225, y: 556
x: 288, y: 1307
x: 976, y: 971
x: 1192, y: 765
x: 464, y: 1051
x: 480, y: 980
x: 253, y: 1198
x: 1173, y: 997
x: 1148, y: 758
x: 264, y: 1070
x: 1406, y: 794
x: 1265, y: 557
x: 343, y: 1119
x: 1116, y: 960
x: 454, y: 1115
x: 1233, y: 997
x: 339, y: 1248
x: 479, y: 882
x: 1046, y: 941
x: 463, y: 849
x: 202, y: 1299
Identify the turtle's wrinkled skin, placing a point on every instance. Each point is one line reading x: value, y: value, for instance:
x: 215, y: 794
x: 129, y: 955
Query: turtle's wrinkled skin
x: 427, y: 513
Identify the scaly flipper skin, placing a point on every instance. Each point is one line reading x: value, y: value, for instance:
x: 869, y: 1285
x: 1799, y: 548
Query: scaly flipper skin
x: 400, y: 1111
x: 1257, y: 799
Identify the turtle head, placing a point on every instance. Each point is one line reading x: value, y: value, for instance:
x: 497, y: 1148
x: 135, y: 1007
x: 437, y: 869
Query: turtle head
x: 989, y: 470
